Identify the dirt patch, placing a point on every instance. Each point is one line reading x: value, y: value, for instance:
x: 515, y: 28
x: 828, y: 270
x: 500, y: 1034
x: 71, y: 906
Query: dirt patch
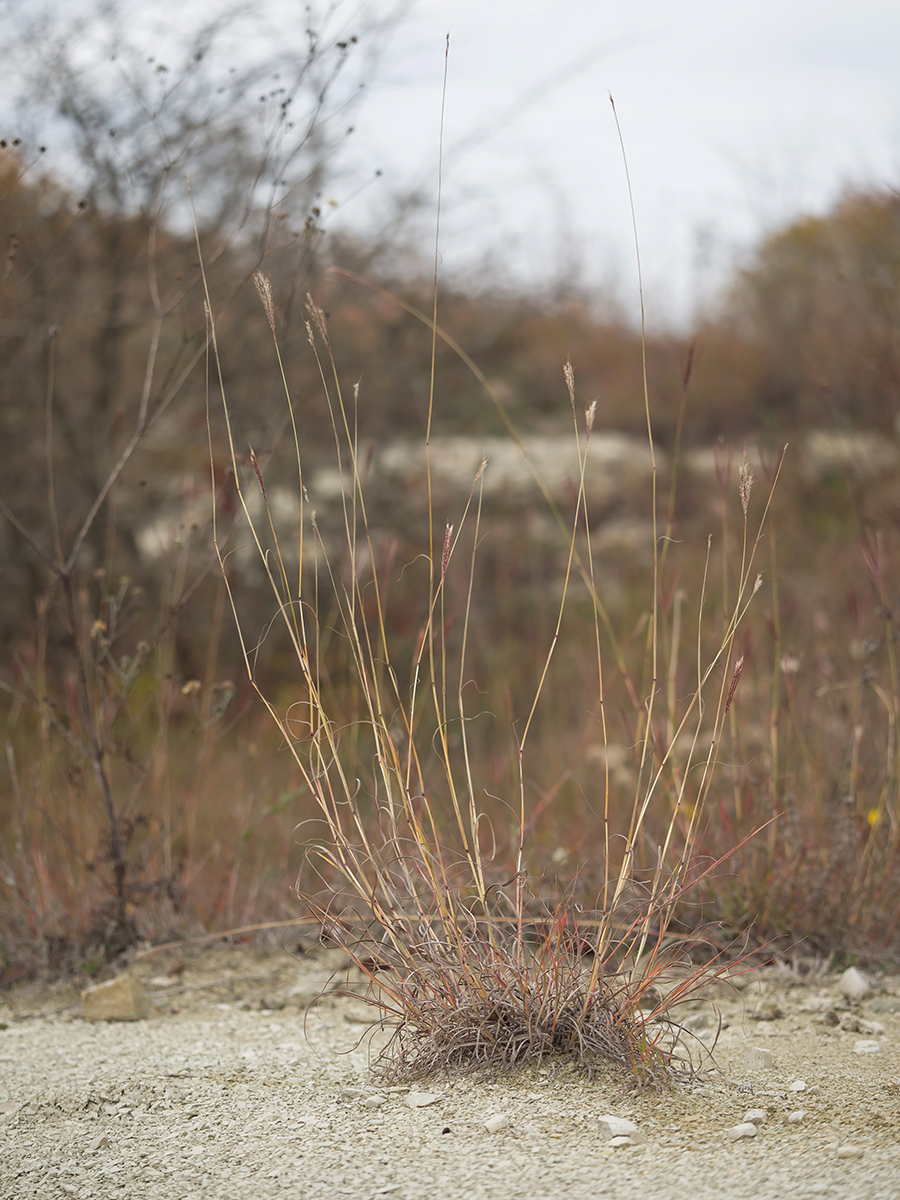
x: 234, y: 1088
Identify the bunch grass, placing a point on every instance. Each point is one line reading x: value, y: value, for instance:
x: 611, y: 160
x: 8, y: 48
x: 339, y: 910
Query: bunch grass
x: 467, y: 963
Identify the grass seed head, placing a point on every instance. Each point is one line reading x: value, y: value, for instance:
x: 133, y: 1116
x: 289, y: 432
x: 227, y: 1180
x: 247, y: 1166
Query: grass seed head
x: 265, y: 294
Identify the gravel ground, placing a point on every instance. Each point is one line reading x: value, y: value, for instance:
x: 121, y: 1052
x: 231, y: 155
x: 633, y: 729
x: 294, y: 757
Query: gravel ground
x: 230, y: 1090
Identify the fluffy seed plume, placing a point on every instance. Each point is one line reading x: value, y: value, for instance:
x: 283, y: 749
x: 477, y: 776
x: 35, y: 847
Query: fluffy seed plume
x: 445, y: 556
x: 569, y: 376
x: 746, y: 483
x: 589, y: 414
x: 265, y: 294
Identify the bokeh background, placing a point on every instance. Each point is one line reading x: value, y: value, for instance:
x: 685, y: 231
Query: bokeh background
x: 145, y: 791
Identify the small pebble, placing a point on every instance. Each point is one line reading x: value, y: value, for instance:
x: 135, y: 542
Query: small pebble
x: 797, y: 1116
x: 422, y: 1099
x: 768, y: 1012
x: 744, y: 1130
x: 611, y: 1126
x: 497, y: 1122
x: 758, y: 1059
x: 799, y: 1085
x: 616, y: 1142
x: 850, y: 1152
x: 867, y: 1047
x: 374, y: 1101
x: 870, y: 1027
x: 756, y: 1116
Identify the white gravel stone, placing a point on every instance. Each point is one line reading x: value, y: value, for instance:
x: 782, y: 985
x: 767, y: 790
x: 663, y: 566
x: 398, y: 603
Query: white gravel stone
x: 872, y: 1028
x: 756, y: 1116
x: 797, y: 1116
x: 497, y: 1122
x: 867, y: 1047
x: 759, y: 1059
x: 854, y: 984
x: 423, y: 1099
x: 850, y: 1151
x: 611, y: 1126
x: 744, y: 1130
x: 799, y: 1085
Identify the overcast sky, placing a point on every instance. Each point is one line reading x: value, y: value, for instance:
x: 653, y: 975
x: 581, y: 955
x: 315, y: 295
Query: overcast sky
x: 735, y: 117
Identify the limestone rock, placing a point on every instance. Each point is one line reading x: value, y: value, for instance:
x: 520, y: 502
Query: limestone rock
x: 758, y: 1059
x: 611, y: 1126
x: 745, y: 1130
x: 121, y: 999
x: 497, y: 1122
x: 866, y: 1047
x: 756, y: 1116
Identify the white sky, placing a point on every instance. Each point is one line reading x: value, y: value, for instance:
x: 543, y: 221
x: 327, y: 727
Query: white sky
x: 735, y: 117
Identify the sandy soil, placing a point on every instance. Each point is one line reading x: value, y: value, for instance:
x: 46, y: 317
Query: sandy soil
x: 231, y: 1090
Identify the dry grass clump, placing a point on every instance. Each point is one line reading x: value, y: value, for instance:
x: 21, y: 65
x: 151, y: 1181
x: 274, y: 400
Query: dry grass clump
x: 414, y: 877
x: 472, y: 993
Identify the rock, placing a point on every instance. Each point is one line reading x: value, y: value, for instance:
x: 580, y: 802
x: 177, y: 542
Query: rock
x: 616, y: 1142
x: 374, y: 1101
x: 799, y: 1085
x: 745, y: 1130
x: 700, y: 1020
x: 768, y: 1012
x: 100, y: 1143
x: 829, y: 1017
x: 848, y: 1151
x: 797, y: 1116
x: 756, y: 1116
x: 611, y: 1126
x: 870, y: 1027
x: 851, y: 1023
x: 122, y: 999
x: 310, y: 987
x: 867, y: 1047
x: 758, y: 1059
x: 885, y: 1004
x: 497, y: 1122
x: 423, y: 1099
x: 854, y: 984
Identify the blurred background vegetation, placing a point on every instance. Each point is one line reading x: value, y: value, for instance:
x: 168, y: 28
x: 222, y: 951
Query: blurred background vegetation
x: 145, y: 795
